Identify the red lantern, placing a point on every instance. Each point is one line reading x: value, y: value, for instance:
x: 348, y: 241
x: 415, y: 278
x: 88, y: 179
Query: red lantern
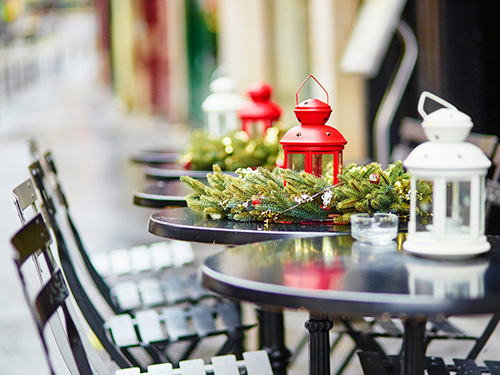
x: 260, y: 113
x: 313, y: 146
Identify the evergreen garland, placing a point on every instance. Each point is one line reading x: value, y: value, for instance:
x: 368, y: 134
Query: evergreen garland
x: 233, y: 151
x: 283, y: 195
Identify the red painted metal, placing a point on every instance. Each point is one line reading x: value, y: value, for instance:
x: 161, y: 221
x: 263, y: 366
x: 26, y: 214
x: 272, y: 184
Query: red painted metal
x: 313, y: 137
x: 260, y: 110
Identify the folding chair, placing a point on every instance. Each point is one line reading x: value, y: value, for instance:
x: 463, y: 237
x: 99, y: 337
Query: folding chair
x: 141, y: 265
x: 152, y: 330
x: 31, y: 241
x: 196, y: 322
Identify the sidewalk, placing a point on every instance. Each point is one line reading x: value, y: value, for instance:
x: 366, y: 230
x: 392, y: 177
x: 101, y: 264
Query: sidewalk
x: 91, y: 139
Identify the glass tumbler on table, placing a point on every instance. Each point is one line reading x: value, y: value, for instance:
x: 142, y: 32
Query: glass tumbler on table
x: 382, y: 228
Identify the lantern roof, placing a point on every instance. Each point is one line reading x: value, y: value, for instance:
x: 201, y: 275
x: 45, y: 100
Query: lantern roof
x: 259, y: 91
x: 223, y: 97
x: 312, y: 111
x: 260, y: 106
x: 313, y: 105
x: 313, y: 135
x: 447, y: 124
x: 453, y: 156
x: 447, y: 128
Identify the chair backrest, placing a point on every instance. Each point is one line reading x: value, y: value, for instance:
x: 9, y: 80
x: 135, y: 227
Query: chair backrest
x: 88, y: 310
x: 101, y: 285
x: 29, y: 240
x: 24, y: 197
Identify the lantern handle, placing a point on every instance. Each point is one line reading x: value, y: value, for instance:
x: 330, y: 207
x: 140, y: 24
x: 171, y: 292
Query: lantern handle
x: 437, y: 99
x: 309, y: 76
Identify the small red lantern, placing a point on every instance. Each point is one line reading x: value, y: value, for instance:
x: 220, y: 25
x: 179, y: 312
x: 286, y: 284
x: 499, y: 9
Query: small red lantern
x: 313, y: 146
x: 260, y: 113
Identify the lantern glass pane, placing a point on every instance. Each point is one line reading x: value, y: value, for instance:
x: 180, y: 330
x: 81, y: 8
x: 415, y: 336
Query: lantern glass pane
x: 424, y: 206
x: 322, y: 163
x: 458, y: 207
x: 255, y: 129
x: 297, y: 162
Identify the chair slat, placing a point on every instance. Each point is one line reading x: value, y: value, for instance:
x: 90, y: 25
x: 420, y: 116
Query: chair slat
x: 128, y: 371
x: 120, y: 262
x: 127, y: 295
x: 230, y: 315
x: 25, y: 194
x: 371, y: 363
x: 161, y: 252
x: 493, y: 367
x: 197, y: 292
x: 436, y: 366
x: 225, y: 365
x: 32, y: 237
x: 151, y: 292
x: 122, y: 330
x: 182, y: 253
x: 160, y: 369
x: 140, y: 258
x: 389, y: 327
x: 149, y: 325
x: 175, y: 321
x: 466, y: 367
x: 52, y: 295
x: 192, y: 367
x: 101, y: 263
x: 203, y: 320
x: 449, y: 328
x: 174, y: 290
x: 257, y: 363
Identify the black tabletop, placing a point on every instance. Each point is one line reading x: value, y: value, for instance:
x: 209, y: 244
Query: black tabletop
x: 185, y: 224
x: 174, y: 174
x: 340, y: 275
x: 160, y: 194
x: 167, y: 157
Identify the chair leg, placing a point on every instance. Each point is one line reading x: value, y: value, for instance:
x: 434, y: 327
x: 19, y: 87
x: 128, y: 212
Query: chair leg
x: 372, y: 363
x: 363, y: 341
x: 481, y: 341
x: 233, y: 345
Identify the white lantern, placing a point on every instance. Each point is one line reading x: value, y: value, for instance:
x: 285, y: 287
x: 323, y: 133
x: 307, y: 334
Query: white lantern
x: 220, y: 107
x: 451, y: 223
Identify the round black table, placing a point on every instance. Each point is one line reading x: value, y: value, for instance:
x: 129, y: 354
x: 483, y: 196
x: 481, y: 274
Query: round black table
x: 337, y: 275
x: 161, y: 194
x: 185, y: 224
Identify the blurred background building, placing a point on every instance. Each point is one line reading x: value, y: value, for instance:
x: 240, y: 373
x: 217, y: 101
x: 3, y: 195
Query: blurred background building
x: 159, y: 56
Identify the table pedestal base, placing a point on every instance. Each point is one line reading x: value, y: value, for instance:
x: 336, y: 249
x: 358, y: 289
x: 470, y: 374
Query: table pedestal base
x: 319, y: 326
x: 412, y: 360
x: 272, y: 339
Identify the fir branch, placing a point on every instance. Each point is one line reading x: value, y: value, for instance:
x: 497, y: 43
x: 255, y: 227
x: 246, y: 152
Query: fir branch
x: 285, y: 195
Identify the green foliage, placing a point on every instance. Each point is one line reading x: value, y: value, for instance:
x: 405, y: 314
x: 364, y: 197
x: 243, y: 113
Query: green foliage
x: 232, y: 151
x: 283, y: 195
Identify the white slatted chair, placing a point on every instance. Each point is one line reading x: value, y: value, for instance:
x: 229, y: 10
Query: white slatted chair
x: 142, y: 266
x: 208, y: 318
x: 143, y: 259
x: 254, y: 363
